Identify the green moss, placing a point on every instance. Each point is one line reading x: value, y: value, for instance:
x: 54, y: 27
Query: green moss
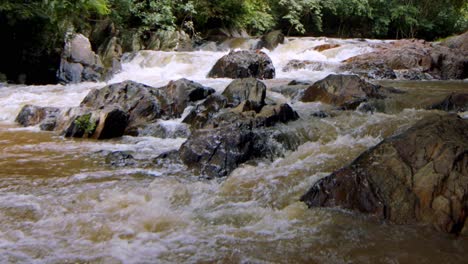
x: 85, y: 123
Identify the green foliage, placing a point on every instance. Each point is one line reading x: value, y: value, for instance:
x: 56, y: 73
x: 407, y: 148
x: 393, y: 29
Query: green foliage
x: 86, y: 124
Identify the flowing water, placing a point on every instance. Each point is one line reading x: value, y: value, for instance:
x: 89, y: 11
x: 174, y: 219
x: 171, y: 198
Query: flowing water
x: 61, y: 203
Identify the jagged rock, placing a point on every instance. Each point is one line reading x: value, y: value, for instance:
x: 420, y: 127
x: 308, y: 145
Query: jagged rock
x: 346, y: 91
x: 79, y: 62
x: 420, y: 175
x: 249, y: 89
x: 439, y: 61
x: 456, y: 102
x: 203, y: 112
x: 31, y: 115
x: 271, y: 40
x: 181, y: 92
x: 142, y: 103
x: 243, y: 64
x: 231, y: 138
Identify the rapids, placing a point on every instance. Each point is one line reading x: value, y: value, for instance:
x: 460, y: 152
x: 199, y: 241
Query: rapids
x: 61, y: 203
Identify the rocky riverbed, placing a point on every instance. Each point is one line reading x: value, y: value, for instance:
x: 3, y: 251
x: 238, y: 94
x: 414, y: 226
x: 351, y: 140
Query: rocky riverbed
x: 203, y: 157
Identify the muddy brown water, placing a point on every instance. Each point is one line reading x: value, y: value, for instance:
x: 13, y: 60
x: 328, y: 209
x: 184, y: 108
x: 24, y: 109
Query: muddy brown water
x: 60, y: 202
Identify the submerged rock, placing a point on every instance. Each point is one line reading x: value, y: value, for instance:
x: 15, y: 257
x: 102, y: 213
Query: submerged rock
x: 243, y: 64
x: 120, y: 159
x: 420, y: 175
x: 31, y: 115
x: 346, y: 91
x: 456, y: 102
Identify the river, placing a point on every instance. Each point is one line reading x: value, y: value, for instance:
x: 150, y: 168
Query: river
x: 61, y: 203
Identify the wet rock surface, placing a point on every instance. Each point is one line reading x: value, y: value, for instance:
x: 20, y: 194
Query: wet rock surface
x: 31, y: 115
x: 345, y: 91
x: 242, y: 90
x: 456, y: 102
x: 231, y: 134
x: 420, y: 175
x: 419, y: 60
x: 243, y: 64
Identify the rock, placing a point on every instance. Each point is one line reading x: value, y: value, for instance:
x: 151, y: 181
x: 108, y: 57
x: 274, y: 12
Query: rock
x: 346, y: 91
x: 323, y: 47
x: 294, y: 65
x: 420, y: 175
x: 120, y: 159
x: 205, y: 111
x: 166, y: 40
x: 31, y: 115
x: 243, y: 64
x: 294, y: 91
x: 131, y: 41
x: 165, y: 129
x: 457, y: 42
x: 181, y: 92
x: 111, y: 123
x: 273, y: 114
x: 249, y: 89
x: 231, y: 138
x: 271, y: 40
x: 217, y: 152
x: 110, y: 52
x: 456, y: 102
x: 369, y: 69
x: 143, y: 104
x: 79, y: 62
x: 299, y: 82
x: 439, y: 61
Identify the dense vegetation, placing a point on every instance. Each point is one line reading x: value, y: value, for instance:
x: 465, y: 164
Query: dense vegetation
x: 33, y: 30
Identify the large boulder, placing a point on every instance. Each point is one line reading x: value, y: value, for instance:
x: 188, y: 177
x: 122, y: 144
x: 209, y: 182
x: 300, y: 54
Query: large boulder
x: 420, y: 175
x: 429, y: 60
x: 143, y: 103
x: 78, y: 61
x: 243, y: 64
x: 233, y: 128
x: 249, y: 89
x: 346, y: 91
x: 232, y: 138
x: 456, y: 102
